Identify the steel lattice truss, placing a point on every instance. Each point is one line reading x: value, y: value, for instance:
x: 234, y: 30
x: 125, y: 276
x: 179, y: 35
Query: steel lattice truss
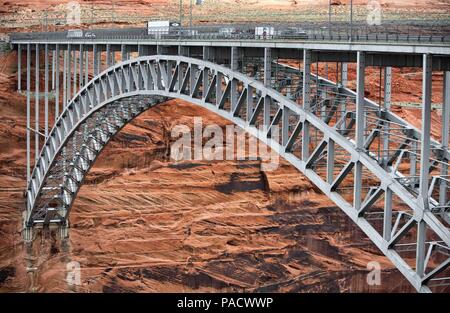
x: 376, y: 184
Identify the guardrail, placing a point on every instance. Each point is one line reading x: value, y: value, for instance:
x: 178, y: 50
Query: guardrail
x: 358, y: 33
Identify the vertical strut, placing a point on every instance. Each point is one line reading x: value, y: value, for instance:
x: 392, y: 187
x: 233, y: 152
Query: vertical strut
x: 65, y: 52
x: 445, y: 136
x: 36, y: 107
x: 344, y: 74
x: 56, y: 82
x: 28, y: 109
x: 19, y: 67
x: 306, y: 102
x: 360, y: 126
x: 267, y: 67
x: 424, y: 162
x: 46, y: 91
x: 69, y: 73
x: 387, y: 108
x: 81, y: 56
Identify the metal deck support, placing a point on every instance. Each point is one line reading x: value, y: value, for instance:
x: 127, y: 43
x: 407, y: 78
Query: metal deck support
x: 57, y: 54
x: 108, y: 55
x: 81, y: 74
x: 235, y: 56
x: 36, y: 107
x: 65, y: 52
x: 443, y: 197
x: 267, y: 67
x: 53, y: 68
x: 19, y: 67
x: 69, y: 72
x: 95, y: 60
x: 306, y: 102
x: 75, y: 74
x: 86, y: 70
x: 28, y: 111
x: 360, y: 126
x: 424, y: 163
x: 387, y: 107
x: 46, y: 91
x: 344, y: 74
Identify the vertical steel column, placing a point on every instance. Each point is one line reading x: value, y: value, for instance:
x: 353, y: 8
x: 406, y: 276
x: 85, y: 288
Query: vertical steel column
x: 267, y: 67
x: 387, y: 216
x: 306, y: 101
x: 360, y: 126
x: 387, y: 108
x: 108, y: 55
x: 75, y: 74
x: 206, y: 57
x: 445, y: 136
x: 86, y: 72
x: 285, y: 126
x: 235, y: 51
x: 81, y: 56
x: 95, y: 59
x: 65, y: 52
x: 28, y: 111
x: 424, y: 162
x: 53, y: 69
x: 69, y: 72
x: 330, y: 161
x: 56, y: 81
x: 36, y: 107
x: 250, y: 103
x: 46, y: 92
x: 344, y: 74
x: 19, y: 67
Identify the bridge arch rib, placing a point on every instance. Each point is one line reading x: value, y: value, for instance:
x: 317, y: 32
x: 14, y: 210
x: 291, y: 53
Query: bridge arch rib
x: 116, y: 96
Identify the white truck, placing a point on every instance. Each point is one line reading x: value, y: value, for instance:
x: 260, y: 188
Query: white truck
x: 263, y: 32
x: 161, y: 28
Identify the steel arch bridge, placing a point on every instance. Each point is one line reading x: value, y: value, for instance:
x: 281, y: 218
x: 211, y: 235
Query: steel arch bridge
x: 333, y: 149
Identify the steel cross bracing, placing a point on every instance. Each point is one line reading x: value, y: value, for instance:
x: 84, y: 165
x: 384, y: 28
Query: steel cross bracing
x: 335, y: 137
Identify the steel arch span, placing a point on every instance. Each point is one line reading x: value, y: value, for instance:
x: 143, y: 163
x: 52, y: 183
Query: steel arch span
x: 385, y: 207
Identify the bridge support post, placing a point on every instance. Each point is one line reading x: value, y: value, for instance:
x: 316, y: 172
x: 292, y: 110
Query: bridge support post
x: 95, y: 60
x: 53, y: 69
x: 69, y: 73
x: 64, y: 103
x: 306, y: 102
x: 36, y: 107
x: 28, y: 111
x: 344, y: 74
x: 81, y: 56
x: 207, y: 54
x: 424, y: 163
x: 360, y: 126
x: 86, y: 70
x: 445, y: 137
x: 75, y: 74
x: 267, y: 67
x: 108, y: 55
x: 235, y: 56
x: 46, y: 91
x: 19, y: 67
x: 56, y: 68
x: 387, y: 107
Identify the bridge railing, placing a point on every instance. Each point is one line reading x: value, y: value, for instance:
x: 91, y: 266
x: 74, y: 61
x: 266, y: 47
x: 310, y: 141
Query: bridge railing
x: 388, y: 32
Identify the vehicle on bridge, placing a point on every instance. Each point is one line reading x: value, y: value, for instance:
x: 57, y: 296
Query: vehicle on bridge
x: 160, y: 29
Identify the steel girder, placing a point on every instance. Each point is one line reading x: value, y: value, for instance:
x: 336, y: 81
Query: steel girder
x: 114, y: 97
